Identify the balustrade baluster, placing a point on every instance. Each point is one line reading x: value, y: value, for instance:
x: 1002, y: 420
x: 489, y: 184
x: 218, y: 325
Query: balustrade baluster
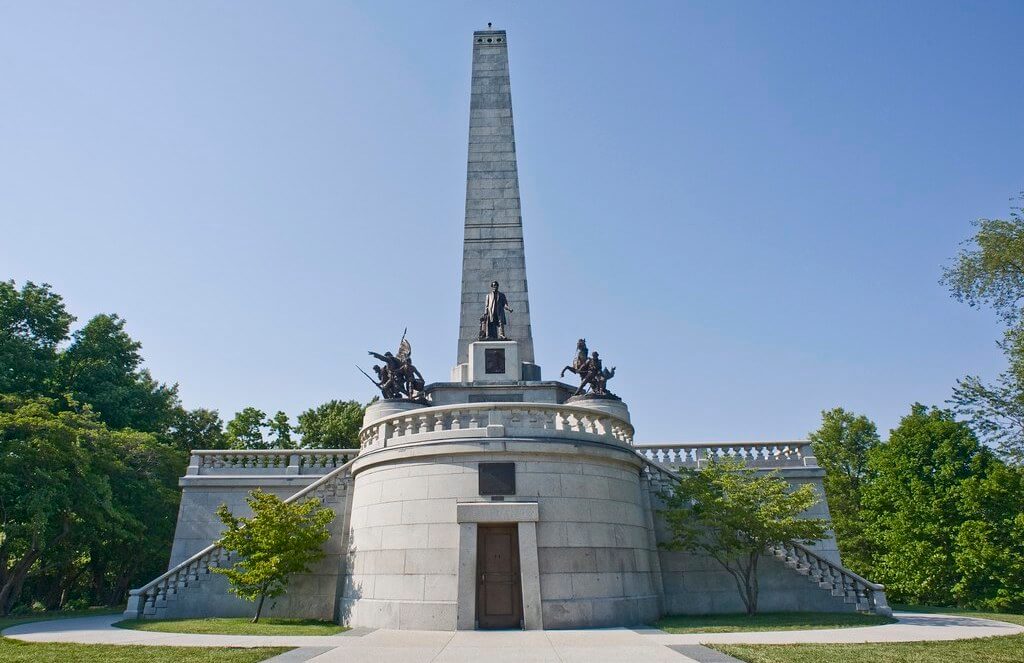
x: 589, y: 424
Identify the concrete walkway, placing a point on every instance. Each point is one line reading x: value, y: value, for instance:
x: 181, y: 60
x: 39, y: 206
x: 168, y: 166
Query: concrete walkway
x: 584, y: 646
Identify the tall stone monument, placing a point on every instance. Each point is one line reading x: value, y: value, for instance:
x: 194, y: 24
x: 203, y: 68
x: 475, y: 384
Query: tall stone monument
x: 492, y: 249
x: 496, y: 499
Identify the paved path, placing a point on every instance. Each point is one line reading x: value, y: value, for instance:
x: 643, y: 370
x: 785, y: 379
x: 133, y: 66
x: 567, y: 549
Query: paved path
x: 584, y: 646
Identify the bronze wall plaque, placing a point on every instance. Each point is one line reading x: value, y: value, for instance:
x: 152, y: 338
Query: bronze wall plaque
x: 494, y: 360
x: 497, y: 478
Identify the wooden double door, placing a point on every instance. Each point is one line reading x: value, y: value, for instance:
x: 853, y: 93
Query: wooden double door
x: 499, y: 589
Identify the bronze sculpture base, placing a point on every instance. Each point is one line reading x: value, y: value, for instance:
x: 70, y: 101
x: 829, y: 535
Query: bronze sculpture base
x: 607, y: 396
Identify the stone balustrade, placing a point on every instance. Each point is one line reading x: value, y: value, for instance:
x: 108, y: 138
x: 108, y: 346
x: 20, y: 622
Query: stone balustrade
x: 844, y: 584
x: 267, y: 461
x: 150, y: 599
x: 754, y: 454
x: 476, y: 420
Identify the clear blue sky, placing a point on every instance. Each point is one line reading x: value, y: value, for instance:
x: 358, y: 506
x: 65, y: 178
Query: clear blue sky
x: 759, y: 195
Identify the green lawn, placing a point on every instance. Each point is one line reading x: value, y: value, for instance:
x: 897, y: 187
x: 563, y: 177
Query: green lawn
x: 235, y: 626
x: 768, y: 621
x: 15, y: 651
x: 1007, y: 649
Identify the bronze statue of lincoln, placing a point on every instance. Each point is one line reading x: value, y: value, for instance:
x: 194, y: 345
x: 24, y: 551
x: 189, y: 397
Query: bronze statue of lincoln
x: 492, y: 322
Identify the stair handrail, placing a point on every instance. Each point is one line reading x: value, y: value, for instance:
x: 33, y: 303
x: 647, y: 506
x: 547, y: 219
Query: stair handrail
x: 874, y: 586
x: 145, y: 589
x: 838, y: 568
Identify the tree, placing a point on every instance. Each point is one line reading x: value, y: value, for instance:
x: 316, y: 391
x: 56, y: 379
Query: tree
x: 245, y: 430
x: 197, y: 429
x: 842, y: 445
x: 90, y: 455
x: 989, y: 271
x: 48, y: 486
x: 989, y: 545
x: 102, y: 367
x: 995, y: 411
x: 914, y: 507
x: 733, y: 514
x: 33, y: 322
x: 281, y: 429
x: 132, y: 542
x: 278, y: 540
x: 333, y: 425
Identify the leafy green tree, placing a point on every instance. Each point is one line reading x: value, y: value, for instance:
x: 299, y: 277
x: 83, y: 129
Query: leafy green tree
x: 333, y: 425
x: 278, y: 540
x: 989, y: 271
x: 132, y: 544
x: 102, y: 367
x: 842, y: 445
x: 913, y: 503
x: 33, y: 322
x: 281, y: 429
x: 989, y: 545
x: 245, y: 430
x: 89, y: 469
x: 197, y: 429
x: 995, y: 410
x: 733, y: 514
x: 48, y: 487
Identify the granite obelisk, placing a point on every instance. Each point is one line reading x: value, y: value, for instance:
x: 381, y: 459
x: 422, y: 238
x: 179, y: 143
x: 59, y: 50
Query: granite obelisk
x: 493, y: 243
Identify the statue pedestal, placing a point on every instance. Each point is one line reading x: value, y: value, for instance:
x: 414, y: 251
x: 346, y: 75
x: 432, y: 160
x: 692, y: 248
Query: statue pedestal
x: 389, y: 407
x: 495, y: 361
x: 608, y: 404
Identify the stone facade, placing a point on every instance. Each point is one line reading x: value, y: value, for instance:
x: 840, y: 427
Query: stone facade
x: 310, y: 595
x: 594, y: 542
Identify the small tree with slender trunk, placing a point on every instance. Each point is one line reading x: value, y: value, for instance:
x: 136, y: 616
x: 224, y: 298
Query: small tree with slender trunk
x: 734, y: 514
x: 278, y: 540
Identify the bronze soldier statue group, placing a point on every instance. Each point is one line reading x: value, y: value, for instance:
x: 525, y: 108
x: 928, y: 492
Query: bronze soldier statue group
x: 397, y: 377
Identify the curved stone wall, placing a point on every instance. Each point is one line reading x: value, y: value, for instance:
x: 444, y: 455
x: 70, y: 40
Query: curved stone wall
x: 595, y: 551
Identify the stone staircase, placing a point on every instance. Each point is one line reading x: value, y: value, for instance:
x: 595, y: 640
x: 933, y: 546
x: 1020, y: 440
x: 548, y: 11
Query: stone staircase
x: 842, y: 583
x: 152, y: 601
x: 845, y: 586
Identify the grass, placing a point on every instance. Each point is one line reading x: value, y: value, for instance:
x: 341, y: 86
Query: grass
x: 15, y: 651
x: 767, y: 621
x: 235, y: 626
x: 1005, y: 649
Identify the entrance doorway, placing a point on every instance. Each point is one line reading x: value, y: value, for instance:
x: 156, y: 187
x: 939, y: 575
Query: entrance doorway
x: 499, y: 590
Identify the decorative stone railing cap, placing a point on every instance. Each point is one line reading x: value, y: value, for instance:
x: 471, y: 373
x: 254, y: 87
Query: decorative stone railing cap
x: 506, y: 406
